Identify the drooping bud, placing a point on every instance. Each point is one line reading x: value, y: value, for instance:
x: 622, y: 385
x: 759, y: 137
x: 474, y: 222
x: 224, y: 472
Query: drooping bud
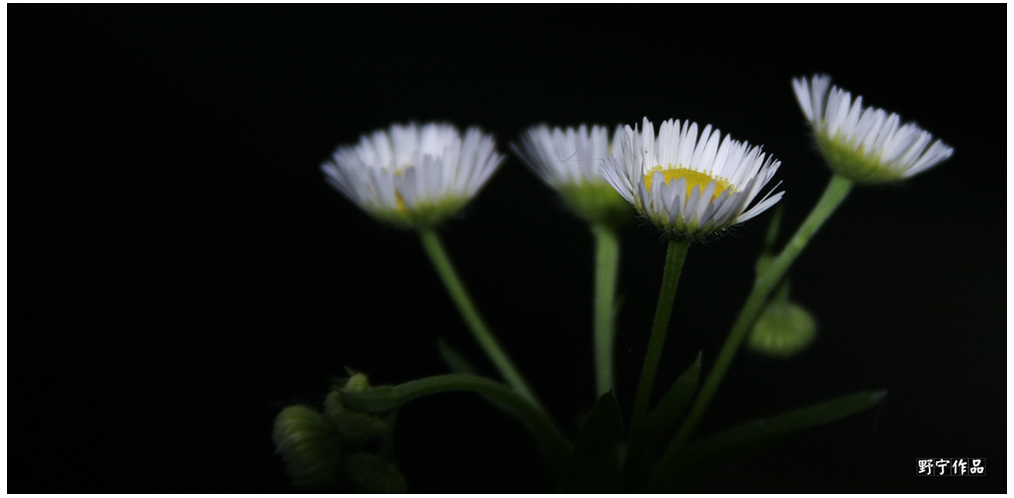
x: 308, y: 447
x: 372, y: 475
x: 358, y: 382
x: 355, y: 427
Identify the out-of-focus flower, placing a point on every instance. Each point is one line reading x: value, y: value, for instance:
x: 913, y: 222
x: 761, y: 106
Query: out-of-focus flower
x: 865, y: 145
x: 570, y: 161
x: 414, y: 176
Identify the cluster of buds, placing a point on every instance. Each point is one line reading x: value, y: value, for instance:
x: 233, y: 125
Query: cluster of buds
x: 341, y: 449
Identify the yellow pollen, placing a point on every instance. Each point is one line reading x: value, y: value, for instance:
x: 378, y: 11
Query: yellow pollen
x: 693, y: 179
x: 399, y: 201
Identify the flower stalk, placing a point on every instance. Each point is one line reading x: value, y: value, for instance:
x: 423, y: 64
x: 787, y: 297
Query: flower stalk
x: 836, y: 191
x: 675, y: 255
x: 383, y: 399
x: 482, y: 333
x: 607, y: 259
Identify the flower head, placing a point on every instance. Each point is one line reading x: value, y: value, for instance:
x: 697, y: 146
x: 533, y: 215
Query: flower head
x: 865, y: 145
x: 307, y: 444
x: 414, y: 176
x: 688, y: 187
x: 570, y: 161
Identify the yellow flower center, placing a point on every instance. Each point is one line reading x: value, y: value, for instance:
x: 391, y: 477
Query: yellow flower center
x: 693, y: 179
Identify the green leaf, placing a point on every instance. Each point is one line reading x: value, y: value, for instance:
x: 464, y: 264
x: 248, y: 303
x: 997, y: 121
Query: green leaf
x: 714, y: 452
x: 644, y: 440
x: 674, y: 403
x: 773, y: 226
x: 454, y: 360
x: 595, y: 462
x: 767, y: 256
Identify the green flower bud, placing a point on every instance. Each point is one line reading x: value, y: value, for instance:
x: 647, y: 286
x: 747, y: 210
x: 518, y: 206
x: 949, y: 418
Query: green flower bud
x: 357, y: 383
x: 783, y: 329
x: 308, y: 447
x: 355, y: 427
x: 369, y: 474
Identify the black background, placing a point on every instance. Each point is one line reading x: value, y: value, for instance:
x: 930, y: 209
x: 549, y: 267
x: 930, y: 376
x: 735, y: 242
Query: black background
x: 186, y: 272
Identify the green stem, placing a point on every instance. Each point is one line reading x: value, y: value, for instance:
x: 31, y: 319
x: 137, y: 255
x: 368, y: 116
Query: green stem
x: 442, y: 263
x: 607, y: 259
x: 386, y: 398
x: 674, y: 258
x: 836, y: 191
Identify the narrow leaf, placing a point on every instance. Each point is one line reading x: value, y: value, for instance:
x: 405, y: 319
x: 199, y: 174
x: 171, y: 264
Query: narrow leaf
x: 773, y: 226
x: 454, y: 360
x: 643, y: 441
x: 734, y: 443
x: 674, y: 403
x: 595, y: 462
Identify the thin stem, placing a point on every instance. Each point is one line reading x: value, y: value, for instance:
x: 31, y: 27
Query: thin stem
x: 836, y: 191
x: 442, y: 263
x: 384, y: 398
x: 607, y: 259
x: 674, y: 258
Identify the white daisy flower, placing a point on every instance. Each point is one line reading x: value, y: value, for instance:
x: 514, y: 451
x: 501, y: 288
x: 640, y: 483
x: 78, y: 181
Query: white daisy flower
x: 690, y: 188
x: 865, y: 145
x: 570, y: 161
x: 414, y: 176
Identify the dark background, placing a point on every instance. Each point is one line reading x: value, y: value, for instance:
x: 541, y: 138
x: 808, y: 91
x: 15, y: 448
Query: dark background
x: 188, y: 272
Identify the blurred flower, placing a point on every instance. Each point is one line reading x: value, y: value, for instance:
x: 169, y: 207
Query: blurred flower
x: 414, y: 176
x: 570, y: 161
x: 309, y: 448
x: 688, y: 187
x: 865, y: 145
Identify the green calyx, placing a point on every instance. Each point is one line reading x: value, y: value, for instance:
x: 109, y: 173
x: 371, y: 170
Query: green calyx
x: 690, y: 233
x: 855, y: 164
x: 597, y: 203
x: 422, y: 215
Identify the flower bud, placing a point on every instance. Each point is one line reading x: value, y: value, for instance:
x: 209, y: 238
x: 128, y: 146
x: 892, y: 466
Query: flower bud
x: 783, y: 329
x: 357, y: 383
x: 308, y: 447
x: 355, y: 427
x: 369, y: 474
